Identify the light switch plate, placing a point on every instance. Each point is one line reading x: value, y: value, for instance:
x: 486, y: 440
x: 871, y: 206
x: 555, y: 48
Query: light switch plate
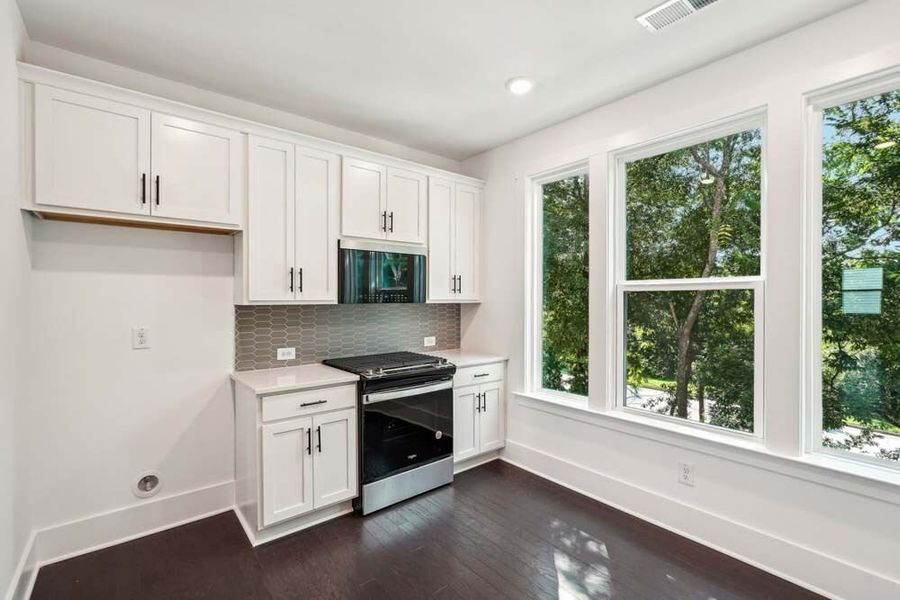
x: 286, y: 354
x: 430, y: 341
x: 140, y: 338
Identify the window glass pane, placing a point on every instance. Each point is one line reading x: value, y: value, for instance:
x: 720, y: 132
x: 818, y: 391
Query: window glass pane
x: 861, y: 277
x: 695, y: 212
x: 690, y: 355
x: 565, y: 318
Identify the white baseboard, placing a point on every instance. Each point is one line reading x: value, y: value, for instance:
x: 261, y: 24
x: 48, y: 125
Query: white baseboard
x: 23, y: 577
x: 809, y: 568
x: 74, y: 538
x: 475, y: 461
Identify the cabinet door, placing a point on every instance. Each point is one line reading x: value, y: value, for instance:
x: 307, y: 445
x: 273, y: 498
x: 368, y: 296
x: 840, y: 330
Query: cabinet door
x: 468, y: 224
x: 465, y: 422
x: 334, y: 441
x: 441, y: 234
x: 90, y: 153
x: 287, y: 470
x: 198, y: 170
x: 363, y: 192
x: 316, y: 225
x: 407, y: 208
x: 490, y: 417
x: 271, y: 214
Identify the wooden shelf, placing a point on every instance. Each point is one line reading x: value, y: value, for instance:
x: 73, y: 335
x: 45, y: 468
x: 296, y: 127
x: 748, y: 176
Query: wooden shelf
x: 126, y: 222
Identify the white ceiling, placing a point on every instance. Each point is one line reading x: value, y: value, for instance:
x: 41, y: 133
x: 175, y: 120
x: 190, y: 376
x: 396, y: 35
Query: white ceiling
x: 426, y: 73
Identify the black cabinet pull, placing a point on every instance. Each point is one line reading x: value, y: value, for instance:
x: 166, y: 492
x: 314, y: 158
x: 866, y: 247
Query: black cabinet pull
x: 157, y: 190
x: 309, y: 441
x: 459, y: 291
x: 392, y: 222
x: 291, y: 287
x: 478, y: 402
x: 384, y: 221
x: 454, y: 283
x: 316, y: 403
x: 480, y: 374
x: 300, y: 273
x: 483, y: 402
x: 143, y: 189
x: 319, y: 438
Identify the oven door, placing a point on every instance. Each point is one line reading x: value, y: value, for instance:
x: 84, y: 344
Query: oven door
x: 406, y: 427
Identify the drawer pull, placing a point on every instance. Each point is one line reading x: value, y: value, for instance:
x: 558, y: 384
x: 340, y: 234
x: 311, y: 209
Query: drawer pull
x: 317, y: 402
x: 481, y: 375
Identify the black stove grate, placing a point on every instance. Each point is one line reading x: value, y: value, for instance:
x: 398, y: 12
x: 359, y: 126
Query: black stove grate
x: 387, y: 361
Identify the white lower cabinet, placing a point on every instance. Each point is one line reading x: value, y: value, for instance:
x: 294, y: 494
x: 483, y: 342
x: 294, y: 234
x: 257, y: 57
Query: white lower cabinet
x: 308, y: 463
x: 287, y: 470
x: 295, y: 458
x: 478, y: 411
x: 334, y: 457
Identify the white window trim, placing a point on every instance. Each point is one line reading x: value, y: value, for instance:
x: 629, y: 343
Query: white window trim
x: 816, y: 104
x: 754, y: 119
x: 534, y: 276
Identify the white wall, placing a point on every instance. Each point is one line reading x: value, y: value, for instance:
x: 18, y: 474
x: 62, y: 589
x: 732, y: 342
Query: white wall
x: 13, y: 264
x: 837, y: 539
x: 98, y: 412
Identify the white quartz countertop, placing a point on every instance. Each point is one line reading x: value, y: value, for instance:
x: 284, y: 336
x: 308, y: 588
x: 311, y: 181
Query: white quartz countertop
x: 464, y: 358
x: 289, y: 379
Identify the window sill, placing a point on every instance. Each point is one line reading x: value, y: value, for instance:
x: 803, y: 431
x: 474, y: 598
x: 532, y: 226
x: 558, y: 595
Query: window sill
x: 835, y: 472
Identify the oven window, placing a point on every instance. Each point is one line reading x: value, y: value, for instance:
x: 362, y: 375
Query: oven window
x: 405, y: 433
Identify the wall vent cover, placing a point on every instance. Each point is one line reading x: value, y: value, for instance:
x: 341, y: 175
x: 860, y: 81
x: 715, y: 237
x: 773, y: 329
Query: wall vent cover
x: 669, y: 13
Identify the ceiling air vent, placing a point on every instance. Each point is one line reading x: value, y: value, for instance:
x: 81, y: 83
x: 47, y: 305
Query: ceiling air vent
x: 669, y: 13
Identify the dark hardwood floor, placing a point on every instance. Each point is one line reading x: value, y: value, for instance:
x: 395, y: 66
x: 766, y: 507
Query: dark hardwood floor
x: 497, y: 532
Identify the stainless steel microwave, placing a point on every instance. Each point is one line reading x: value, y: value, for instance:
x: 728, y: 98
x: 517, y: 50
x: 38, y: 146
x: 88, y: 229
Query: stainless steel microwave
x: 380, y: 277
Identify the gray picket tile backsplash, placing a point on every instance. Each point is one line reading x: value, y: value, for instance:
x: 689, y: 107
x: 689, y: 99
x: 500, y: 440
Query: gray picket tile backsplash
x: 336, y: 330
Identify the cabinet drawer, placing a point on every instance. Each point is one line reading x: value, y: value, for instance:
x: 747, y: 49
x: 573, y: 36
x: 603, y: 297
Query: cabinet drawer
x: 480, y: 374
x: 307, y: 402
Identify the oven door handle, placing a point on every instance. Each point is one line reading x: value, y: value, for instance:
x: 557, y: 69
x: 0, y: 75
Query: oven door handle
x: 407, y: 392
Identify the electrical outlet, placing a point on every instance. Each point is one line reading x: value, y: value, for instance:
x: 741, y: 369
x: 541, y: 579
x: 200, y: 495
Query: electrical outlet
x: 430, y: 341
x: 140, y: 338
x: 286, y: 354
x: 686, y: 474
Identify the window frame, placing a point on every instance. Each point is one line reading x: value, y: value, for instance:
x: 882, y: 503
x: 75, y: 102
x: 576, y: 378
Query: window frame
x: 816, y: 103
x: 620, y: 285
x: 534, y: 303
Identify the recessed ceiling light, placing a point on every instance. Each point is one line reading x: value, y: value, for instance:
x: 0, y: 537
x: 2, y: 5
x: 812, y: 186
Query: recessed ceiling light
x: 885, y: 145
x: 519, y: 85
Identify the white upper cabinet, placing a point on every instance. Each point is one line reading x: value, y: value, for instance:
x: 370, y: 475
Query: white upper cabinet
x: 441, y: 242
x: 111, y: 158
x: 363, y: 199
x: 196, y: 170
x: 271, y: 220
x: 407, y: 206
x: 316, y: 229
x: 454, y: 233
x: 90, y: 153
x: 293, y: 228
x: 467, y: 219
x: 383, y: 203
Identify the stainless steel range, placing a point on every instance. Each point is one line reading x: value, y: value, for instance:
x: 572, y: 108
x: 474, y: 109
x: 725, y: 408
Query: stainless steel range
x: 405, y: 425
